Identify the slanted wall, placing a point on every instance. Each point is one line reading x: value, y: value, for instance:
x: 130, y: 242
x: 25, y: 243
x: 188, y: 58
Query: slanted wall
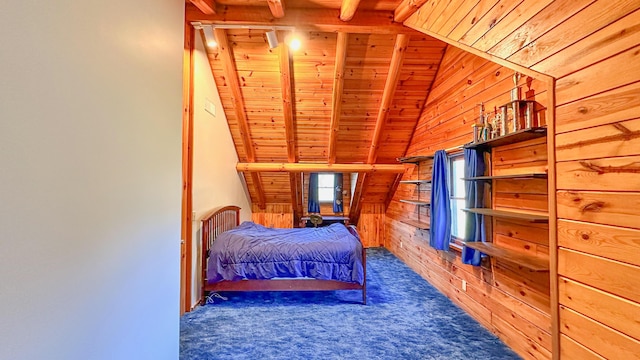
x: 215, y: 181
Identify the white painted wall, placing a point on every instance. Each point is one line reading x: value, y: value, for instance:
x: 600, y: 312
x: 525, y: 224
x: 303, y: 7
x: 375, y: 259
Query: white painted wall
x: 216, y: 182
x: 90, y: 179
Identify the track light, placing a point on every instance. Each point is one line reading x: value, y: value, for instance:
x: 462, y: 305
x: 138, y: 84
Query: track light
x: 209, y: 36
x: 272, y: 39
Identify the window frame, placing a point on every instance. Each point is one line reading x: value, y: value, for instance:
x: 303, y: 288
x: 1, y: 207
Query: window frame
x: 455, y: 241
x: 333, y: 192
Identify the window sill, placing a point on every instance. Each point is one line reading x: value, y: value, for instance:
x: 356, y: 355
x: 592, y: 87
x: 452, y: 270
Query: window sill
x: 455, y: 247
x: 456, y: 244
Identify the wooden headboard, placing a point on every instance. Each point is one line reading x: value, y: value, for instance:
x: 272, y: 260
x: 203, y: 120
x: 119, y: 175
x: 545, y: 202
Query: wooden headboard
x: 214, y: 224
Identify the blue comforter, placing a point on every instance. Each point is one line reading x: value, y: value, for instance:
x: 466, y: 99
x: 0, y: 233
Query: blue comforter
x: 252, y: 251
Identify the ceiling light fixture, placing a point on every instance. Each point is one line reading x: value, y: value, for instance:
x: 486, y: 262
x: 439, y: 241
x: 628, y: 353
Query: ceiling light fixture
x: 271, y: 35
x: 209, y: 37
x: 207, y: 30
x: 294, y: 44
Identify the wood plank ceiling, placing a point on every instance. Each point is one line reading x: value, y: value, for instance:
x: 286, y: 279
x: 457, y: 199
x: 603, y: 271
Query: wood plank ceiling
x: 351, y: 95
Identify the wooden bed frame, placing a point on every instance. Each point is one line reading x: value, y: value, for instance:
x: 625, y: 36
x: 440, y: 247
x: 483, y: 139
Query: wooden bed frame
x: 227, y: 218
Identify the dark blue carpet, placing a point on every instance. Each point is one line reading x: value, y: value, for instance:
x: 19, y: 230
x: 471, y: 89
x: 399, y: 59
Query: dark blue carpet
x: 405, y: 318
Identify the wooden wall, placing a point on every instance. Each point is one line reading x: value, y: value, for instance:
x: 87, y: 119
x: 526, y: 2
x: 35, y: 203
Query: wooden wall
x: 407, y: 212
x: 274, y: 215
x: 592, y: 50
x: 508, y: 300
x: 529, y: 335
x: 371, y: 225
x: 598, y: 157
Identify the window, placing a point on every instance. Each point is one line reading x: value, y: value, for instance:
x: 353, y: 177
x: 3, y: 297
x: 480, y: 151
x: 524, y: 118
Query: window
x: 326, y: 188
x: 457, y: 195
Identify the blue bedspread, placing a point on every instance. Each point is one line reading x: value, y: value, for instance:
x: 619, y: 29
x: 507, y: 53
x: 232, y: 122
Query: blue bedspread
x: 252, y: 251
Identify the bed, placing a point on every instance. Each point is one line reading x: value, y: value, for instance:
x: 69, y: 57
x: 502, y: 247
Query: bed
x: 251, y: 257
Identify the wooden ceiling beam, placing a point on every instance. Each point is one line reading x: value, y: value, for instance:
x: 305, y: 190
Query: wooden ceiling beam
x: 257, y: 183
x: 287, y: 102
x: 289, y: 128
x: 392, y: 190
x: 356, y: 199
x: 276, y: 7
x: 397, y: 58
x: 319, y: 167
x: 348, y: 9
x: 322, y: 20
x: 399, y: 50
x: 206, y: 6
x: 406, y: 9
x: 336, y: 97
x: 230, y: 73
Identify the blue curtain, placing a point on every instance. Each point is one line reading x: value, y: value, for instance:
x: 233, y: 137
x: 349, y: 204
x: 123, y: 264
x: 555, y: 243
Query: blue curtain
x: 440, y: 229
x: 474, y: 224
x: 314, y: 202
x: 337, y: 199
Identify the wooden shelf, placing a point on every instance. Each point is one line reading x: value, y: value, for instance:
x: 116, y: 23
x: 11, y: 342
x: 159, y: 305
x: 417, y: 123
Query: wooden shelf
x: 520, y: 135
x: 528, y: 261
x: 533, y: 218
x: 416, y: 182
x: 415, y: 202
x: 513, y: 177
x: 414, y: 159
x: 419, y: 224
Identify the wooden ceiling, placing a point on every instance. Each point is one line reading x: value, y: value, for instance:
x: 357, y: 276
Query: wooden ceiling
x: 350, y: 96
x: 356, y: 89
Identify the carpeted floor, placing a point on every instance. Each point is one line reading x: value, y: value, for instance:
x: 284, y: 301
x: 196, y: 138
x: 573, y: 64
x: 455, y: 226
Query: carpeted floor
x: 405, y: 318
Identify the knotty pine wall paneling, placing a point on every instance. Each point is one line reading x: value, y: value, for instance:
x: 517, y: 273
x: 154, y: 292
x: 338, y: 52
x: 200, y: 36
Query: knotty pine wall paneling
x: 592, y: 49
x: 598, y: 200
x: 274, y: 215
x: 528, y: 196
x: 312, y: 71
x: 371, y: 224
x: 507, y: 299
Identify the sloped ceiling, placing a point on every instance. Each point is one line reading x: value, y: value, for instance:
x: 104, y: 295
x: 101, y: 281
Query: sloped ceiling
x: 350, y: 96
x: 357, y: 121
